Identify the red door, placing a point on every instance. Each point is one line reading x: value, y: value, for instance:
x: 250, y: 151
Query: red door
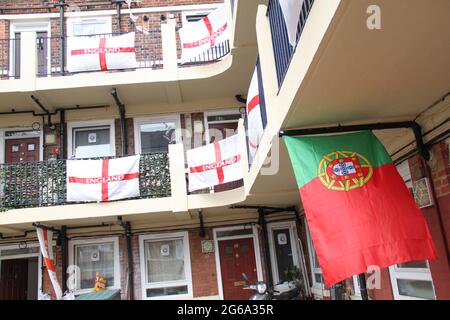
x: 21, y: 150
x: 13, y: 279
x: 237, y: 257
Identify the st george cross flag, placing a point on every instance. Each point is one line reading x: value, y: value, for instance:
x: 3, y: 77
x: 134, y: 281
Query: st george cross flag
x: 197, y: 37
x: 256, y: 114
x: 216, y: 163
x: 359, y: 210
x: 291, y: 12
x: 102, y: 180
x: 92, y: 53
x: 45, y: 243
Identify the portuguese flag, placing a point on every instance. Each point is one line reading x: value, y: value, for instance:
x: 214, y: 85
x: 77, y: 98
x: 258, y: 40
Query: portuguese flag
x: 359, y: 210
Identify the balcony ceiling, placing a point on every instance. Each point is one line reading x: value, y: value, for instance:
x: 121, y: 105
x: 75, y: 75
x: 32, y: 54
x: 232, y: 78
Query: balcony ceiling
x: 362, y: 75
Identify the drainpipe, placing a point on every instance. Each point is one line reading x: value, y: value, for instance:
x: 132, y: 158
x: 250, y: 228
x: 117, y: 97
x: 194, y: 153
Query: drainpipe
x: 118, y: 5
x: 64, y: 262
x: 265, y: 243
x: 123, y: 127
x: 62, y: 35
x: 62, y: 134
x: 127, y: 227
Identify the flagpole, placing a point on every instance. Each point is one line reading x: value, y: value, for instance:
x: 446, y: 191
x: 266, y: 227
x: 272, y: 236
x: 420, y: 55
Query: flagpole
x: 363, y: 286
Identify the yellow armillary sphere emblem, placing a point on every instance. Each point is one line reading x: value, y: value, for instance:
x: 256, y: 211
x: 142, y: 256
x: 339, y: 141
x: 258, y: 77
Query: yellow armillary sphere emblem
x: 344, y: 170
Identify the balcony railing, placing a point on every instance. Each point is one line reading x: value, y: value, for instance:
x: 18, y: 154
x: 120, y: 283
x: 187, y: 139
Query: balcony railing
x: 43, y: 183
x: 212, y: 55
x: 7, y: 69
x: 283, y: 50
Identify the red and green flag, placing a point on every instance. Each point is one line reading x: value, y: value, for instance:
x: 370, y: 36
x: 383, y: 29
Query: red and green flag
x: 358, y: 208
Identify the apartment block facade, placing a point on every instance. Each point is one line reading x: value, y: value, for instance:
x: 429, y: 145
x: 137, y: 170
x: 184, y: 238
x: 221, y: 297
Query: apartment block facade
x: 173, y: 244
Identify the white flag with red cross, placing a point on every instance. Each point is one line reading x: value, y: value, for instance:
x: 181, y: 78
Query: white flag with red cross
x: 216, y: 163
x: 256, y: 115
x: 200, y: 36
x: 101, y: 53
x: 102, y: 180
x: 46, y: 244
x: 291, y: 10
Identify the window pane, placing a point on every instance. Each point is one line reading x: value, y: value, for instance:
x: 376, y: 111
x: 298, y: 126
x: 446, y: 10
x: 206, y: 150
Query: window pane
x: 92, y: 259
x: 17, y: 251
x: 416, y: 288
x: 155, y: 137
x: 414, y: 264
x: 90, y: 27
x: 92, y: 142
x: 283, y: 251
x: 165, y: 260
x: 318, y: 277
x: 236, y: 232
x: 166, y: 291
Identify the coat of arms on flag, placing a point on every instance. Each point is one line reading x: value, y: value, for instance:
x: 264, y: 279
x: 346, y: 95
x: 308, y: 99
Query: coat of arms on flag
x: 102, y: 180
x: 216, y: 163
x: 197, y: 37
x: 256, y: 113
x: 91, y: 53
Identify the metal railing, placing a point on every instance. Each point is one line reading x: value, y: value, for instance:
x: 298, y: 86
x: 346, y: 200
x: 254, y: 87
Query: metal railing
x: 43, y: 183
x: 283, y: 50
x: 148, y: 48
x: 212, y: 55
x: 9, y: 47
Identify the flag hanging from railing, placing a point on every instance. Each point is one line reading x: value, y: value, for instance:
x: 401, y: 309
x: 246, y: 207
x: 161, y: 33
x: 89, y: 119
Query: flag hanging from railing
x: 256, y: 112
x: 102, y: 180
x: 45, y: 242
x: 291, y: 12
x: 216, y: 163
x: 200, y: 36
x: 92, y: 53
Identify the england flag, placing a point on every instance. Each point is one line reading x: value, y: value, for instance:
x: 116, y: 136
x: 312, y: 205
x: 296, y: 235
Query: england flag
x: 101, y: 53
x: 256, y: 114
x: 214, y: 164
x: 200, y: 36
x: 102, y: 180
x: 46, y: 244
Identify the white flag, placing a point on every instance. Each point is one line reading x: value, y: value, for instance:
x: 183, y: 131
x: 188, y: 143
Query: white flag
x: 200, y: 36
x: 103, y: 180
x: 101, y: 53
x: 291, y: 12
x: 255, y: 127
x: 216, y: 163
x: 46, y: 245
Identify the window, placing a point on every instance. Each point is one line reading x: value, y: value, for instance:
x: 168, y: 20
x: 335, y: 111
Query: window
x: 315, y: 267
x: 221, y: 124
x: 91, y: 139
x: 89, y: 26
x: 153, y: 135
x: 92, y: 256
x: 166, y: 271
x: 412, y: 280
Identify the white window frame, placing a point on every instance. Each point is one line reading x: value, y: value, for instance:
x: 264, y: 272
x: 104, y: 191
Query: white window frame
x: 218, y: 113
x: 105, y: 18
x: 86, y: 124
x: 93, y: 241
x: 421, y: 274
x: 185, y: 14
x: 23, y: 256
x: 137, y: 122
x: 312, y: 252
x: 256, y: 247
x: 3, y: 139
x: 166, y: 284
x: 294, y: 247
x: 27, y: 26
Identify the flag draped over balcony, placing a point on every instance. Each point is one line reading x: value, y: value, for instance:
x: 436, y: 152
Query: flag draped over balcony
x: 358, y: 208
x: 256, y: 112
x: 291, y: 10
x: 216, y: 163
x: 45, y: 242
x: 92, y: 53
x: 102, y: 180
x: 200, y: 36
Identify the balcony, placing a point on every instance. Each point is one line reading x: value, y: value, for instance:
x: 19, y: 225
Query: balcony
x: 43, y: 183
